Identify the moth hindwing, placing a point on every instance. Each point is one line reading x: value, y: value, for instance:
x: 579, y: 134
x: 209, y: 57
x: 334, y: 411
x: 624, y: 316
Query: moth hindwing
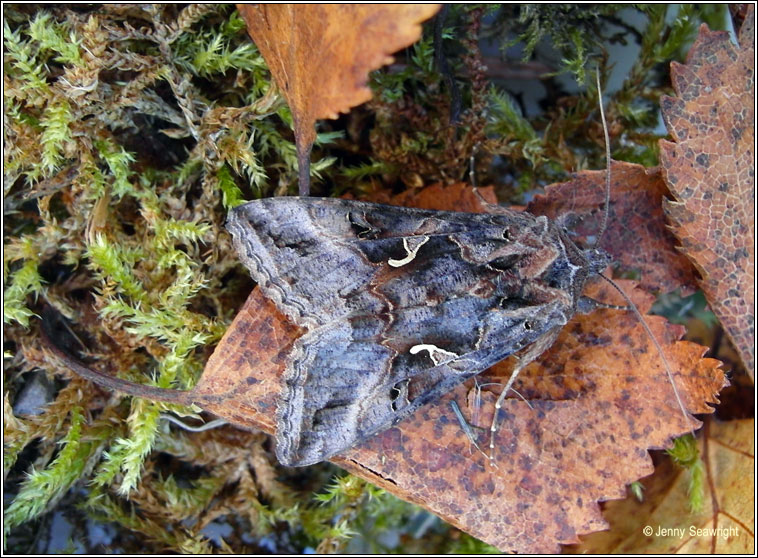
x: 400, y: 305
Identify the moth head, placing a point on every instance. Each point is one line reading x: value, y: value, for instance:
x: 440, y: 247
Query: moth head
x: 597, y: 260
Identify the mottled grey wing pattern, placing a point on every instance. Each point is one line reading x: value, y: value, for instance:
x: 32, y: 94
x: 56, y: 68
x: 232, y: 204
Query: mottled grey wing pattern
x: 303, y: 252
x: 400, y: 304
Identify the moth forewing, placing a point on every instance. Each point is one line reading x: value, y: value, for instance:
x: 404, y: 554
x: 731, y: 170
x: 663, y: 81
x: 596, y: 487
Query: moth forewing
x: 401, y: 305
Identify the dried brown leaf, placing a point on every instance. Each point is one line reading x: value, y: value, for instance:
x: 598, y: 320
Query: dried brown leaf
x: 710, y: 169
x: 243, y: 372
x: 637, y: 235
x: 459, y: 195
x: 723, y: 526
x: 320, y: 55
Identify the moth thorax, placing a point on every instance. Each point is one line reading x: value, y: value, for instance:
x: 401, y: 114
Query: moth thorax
x: 597, y: 260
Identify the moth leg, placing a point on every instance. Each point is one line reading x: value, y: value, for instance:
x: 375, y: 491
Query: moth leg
x: 467, y: 428
x: 540, y: 345
x: 478, y: 398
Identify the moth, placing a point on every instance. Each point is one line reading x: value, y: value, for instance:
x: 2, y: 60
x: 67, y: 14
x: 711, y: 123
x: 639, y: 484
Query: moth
x: 401, y: 305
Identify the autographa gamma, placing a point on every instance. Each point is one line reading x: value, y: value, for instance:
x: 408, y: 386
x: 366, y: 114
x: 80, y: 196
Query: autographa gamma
x: 401, y: 305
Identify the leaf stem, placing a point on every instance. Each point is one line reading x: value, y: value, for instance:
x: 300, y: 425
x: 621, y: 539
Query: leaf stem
x: 180, y: 397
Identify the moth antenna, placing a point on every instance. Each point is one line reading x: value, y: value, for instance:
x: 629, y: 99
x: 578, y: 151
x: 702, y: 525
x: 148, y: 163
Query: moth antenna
x: 599, y: 304
x: 666, y: 365
x: 487, y: 205
x: 607, y: 207
x: 603, y: 226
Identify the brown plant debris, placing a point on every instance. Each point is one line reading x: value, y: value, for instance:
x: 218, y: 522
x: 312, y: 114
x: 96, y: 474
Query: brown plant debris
x: 320, y: 55
x: 710, y: 170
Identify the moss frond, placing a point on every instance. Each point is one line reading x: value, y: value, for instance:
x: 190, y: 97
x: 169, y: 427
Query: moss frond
x: 686, y: 454
x: 56, y: 135
x: 466, y: 544
x: 45, y: 486
x: 23, y: 59
x: 118, y: 161
x: 507, y: 123
x: 231, y: 193
x: 143, y: 422
x: 217, y: 51
x: 363, y: 171
x: 115, y: 264
x: 52, y: 36
x: 105, y: 508
x: 24, y: 282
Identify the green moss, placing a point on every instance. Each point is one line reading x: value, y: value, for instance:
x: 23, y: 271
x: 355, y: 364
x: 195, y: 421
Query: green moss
x: 25, y: 281
x: 43, y: 487
x: 686, y: 454
x: 232, y: 195
x: 56, y: 134
x: 50, y: 35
